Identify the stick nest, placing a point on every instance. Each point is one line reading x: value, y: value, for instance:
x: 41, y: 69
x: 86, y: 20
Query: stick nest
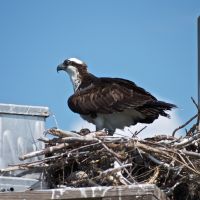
x: 88, y: 159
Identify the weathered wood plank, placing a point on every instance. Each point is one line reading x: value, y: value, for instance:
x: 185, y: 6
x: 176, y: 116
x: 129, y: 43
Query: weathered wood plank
x: 133, y: 192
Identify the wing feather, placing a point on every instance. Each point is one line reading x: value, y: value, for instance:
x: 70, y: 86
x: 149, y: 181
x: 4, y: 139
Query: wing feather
x: 108, y: 95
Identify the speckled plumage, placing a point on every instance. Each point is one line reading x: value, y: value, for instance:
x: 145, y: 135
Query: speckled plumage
x: 111, y: 102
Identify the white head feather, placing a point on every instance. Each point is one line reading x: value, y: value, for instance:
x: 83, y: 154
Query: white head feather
x: 76, y: 60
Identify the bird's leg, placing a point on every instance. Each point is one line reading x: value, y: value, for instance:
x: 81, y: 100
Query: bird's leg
x: 108, y: 131
x: 100, y: 125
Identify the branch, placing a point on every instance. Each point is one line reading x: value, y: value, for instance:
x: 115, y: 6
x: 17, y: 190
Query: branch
x: 180, y: 127
x: 112, y: 171
x: 198, y: 108
x: 44, y: 151
x: 158, y: 162
x: 187, y: 141
x: 61, y: 133
x: 112, y: 152
x: 191, y: 154
x: 137, y: 132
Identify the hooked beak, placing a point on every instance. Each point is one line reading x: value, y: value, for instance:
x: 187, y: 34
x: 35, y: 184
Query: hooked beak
x: 60, y: 67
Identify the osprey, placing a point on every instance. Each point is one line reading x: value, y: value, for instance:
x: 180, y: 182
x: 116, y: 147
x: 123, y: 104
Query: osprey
x: 110, y: 102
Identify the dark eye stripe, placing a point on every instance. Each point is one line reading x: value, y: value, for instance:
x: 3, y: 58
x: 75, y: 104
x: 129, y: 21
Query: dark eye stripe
x: 66, y: 62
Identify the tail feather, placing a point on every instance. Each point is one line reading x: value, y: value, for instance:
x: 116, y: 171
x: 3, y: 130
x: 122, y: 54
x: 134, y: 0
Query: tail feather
x: 162, y: 106
x: 152, y: 110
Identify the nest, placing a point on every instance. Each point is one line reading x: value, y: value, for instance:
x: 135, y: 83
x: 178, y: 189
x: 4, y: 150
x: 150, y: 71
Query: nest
x: 87, y: 159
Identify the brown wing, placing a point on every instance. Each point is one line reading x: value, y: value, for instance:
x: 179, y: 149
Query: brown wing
x: 108, y: 95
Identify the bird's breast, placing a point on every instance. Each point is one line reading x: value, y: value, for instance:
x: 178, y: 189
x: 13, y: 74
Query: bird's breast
x: 114, y: 120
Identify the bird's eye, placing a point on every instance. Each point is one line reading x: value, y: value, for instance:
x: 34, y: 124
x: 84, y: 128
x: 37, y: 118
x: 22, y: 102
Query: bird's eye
x: 67, y: 62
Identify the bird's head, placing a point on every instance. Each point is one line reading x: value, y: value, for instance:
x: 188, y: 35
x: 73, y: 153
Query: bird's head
x: 75, y: 69
x: 72, y: 65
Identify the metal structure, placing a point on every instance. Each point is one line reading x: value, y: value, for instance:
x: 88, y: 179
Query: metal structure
x: 11, y: 184
x: 198, y: 49
x: 20, y: 127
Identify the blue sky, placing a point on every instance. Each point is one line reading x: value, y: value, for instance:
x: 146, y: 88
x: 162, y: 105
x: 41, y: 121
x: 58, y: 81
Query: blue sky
x: 152, y: 43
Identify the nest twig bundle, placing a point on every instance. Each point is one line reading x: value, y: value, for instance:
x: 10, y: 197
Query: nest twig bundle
x: 88, y: 159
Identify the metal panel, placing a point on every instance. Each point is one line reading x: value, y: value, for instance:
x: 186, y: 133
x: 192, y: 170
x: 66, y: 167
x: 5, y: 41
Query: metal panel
x: 24, y: 110
x: 198, y: 60
x: 20, y: 127
x: 10, y: 184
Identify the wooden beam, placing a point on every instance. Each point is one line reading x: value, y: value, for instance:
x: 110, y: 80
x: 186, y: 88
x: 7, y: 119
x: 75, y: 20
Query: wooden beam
x: 131, y: 192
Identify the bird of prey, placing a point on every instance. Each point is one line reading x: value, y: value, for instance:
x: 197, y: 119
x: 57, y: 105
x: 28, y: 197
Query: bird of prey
x: 110, y: 103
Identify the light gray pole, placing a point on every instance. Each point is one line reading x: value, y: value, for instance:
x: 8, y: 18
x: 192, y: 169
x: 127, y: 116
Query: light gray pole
x: 198, y: 49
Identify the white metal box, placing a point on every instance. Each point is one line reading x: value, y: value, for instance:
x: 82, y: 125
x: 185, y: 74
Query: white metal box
x: 20, y: 127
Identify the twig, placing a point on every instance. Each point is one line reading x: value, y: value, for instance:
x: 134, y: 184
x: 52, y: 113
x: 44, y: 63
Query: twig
x: 197, y: 106
x: 163, y: 153
x: 185, y: 124
x: 119, y: 175
x: 158, y: 162
x: 112, y: 170
x: 191, y: 154
x: 186, y: 141
x: 152, y: 179
x: 44, y: 151
x: 195, y: 103
x: 137, y: 132
x: 112, y: 152
x: 9, y: 169
x: 75, y: 139
x: 117, y: 157
x: 82, y: 147
x: 61, y: 133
